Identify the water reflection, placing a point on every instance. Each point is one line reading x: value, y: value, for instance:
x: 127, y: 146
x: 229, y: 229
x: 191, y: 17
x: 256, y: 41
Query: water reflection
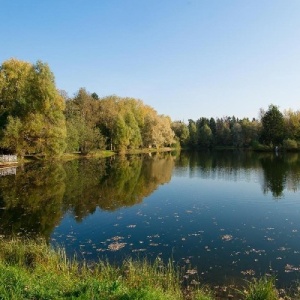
x: 212, y: 214
x: 276, y: 172
x: 113, y: 183
x: 281, y: 172
x: 34, y: 201
x: 31, y: 201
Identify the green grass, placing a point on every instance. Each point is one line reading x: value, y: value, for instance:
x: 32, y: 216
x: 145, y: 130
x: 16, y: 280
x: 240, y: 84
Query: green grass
x: 100, y: 153
x: 261, y: 289
x: 32, y: 270
x: 147, y: 150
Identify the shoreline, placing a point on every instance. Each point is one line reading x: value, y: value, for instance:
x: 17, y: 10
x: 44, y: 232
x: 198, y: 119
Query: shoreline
x: 34, y: 266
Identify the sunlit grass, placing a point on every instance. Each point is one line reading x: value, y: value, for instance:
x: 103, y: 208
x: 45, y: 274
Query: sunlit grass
x: 33, y: 270
x: 261, y: 289
x: 93, y: 154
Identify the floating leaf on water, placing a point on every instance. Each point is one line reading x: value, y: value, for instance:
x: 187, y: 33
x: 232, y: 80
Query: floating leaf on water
x: 290, y: 268
x: 283, y: 249
x: 227, y: 237
x: 191, y: 272
x: 257, y: 251
x: 138, y: 250
x: 117, y: 238
x: 116, y: 246
x: 248, y: 272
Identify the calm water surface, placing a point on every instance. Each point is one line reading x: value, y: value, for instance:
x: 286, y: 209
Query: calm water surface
x: 230, y: 215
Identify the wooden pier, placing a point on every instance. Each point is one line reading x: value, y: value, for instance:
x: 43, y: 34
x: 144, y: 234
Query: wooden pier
x: 8, y: 160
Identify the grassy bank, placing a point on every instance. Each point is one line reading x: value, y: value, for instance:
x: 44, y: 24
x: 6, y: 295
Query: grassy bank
x: 94, y: 154
x: 147, y: 150
x: 32, y: 270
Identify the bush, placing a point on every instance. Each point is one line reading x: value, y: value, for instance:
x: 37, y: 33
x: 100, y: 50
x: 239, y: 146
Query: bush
x: 290, y: 144
x: 255, y: 145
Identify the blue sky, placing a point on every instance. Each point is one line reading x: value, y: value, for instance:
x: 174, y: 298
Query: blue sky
x: 185, y: 58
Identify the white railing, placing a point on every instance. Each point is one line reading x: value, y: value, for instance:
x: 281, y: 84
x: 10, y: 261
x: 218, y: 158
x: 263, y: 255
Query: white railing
x: 8, y: 158
x: 8, y: 171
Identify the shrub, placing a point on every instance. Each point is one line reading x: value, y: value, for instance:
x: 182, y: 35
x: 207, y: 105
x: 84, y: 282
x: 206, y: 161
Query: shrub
x: 290, y: 144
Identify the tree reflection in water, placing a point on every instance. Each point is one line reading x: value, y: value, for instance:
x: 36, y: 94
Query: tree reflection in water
x: 31, y: 201
x: 112, y: 184
x: 34, y: 201
x: 280, y: 172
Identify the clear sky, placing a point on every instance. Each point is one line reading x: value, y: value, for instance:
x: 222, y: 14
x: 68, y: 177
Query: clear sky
x: 185, y: 58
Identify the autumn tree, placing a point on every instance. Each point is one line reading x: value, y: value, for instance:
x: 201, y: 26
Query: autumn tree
x: 292, y: 124
x: 32, y: 119
x: 250, y: 131
x: 128, y: 123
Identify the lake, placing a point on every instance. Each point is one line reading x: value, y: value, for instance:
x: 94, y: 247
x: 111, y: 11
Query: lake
x: 227, y: 215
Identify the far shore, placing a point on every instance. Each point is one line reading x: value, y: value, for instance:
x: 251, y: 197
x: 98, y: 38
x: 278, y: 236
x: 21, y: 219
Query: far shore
x: 110, y: 153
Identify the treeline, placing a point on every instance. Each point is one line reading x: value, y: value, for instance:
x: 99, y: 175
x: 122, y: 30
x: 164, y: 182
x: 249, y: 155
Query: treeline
x: 273, y: 129
x: 36, y: 118
x: 35, y: 200
x: 114, y: 123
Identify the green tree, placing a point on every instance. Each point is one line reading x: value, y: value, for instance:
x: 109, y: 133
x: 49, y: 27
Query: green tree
x: 95, y: 96
x: 223, y: 133
x: 193, y: 133
x: 181, y: 132
x: 205, y: 136
x: 121, y: 138
x: 83, y: 134
x: 272, y: 126
x: 250, y: 131
x: 237, y: 135
x: 135, y: 138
